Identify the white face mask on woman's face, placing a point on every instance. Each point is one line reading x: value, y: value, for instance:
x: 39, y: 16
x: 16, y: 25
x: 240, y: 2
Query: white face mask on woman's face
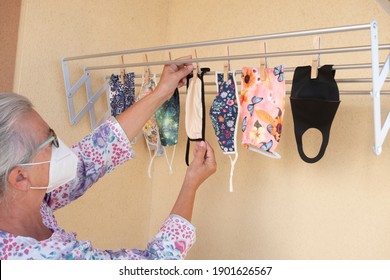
x: 63, y: 167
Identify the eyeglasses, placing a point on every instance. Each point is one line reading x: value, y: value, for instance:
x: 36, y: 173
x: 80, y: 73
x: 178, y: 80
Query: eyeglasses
x: 53, y: 139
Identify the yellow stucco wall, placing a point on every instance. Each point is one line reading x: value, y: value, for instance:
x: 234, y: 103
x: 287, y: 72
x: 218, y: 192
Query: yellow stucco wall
x: 9, y: 23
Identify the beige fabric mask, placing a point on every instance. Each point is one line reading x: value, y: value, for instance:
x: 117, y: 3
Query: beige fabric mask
x: 195, y: 109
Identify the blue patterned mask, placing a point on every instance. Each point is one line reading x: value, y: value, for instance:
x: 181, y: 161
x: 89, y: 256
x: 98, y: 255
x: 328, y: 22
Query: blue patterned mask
x: 224, y: 114
x: 122, y: 95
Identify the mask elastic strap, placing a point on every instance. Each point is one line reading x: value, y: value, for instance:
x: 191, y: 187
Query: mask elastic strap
x: 325, y: 140
x: 42, y: 162
x: 190, y: 84
x: 188, y: 151
x: 232, y: 165
x: 233, y: 162
x: 166, y: 158
x: 203, y: 71
x: 151, y: 159
x: 193, y: 84
x: 39, y: 188
x: 151, y: 162
x: 33, y: 163
x: 157, y: 152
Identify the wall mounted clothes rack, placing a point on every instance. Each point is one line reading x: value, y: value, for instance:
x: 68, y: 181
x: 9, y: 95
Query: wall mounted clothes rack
x: 380, y: 71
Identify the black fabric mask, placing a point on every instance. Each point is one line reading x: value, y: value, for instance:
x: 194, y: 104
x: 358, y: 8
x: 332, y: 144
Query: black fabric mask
x: 314, y: 103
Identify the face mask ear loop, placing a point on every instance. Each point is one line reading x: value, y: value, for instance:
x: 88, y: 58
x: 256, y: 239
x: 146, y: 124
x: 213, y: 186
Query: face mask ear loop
x: 151, y: 163
x: 233, y: 162
x: 39, y: 188
x: 151, y: 159
x: 232, y: 165
x: 32, y: 164
x: 191, y: 86
x: 171, y: 162
x: 141, y: 89
x: 166, y: 158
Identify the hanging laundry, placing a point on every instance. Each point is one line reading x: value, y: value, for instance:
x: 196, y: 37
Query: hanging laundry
x: 195, y: 121
x: 262, y: 109
x: 167, y: 118
x: 122, y: 95
x: 314, y: 103
x: 224, y: 114
x: 150, y: 129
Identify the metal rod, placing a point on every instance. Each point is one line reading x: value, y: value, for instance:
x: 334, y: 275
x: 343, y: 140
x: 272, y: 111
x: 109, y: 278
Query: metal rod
x: 342, y: 92
x: 291, y: 69
x: 354, y: 80
x: 240, y: 57
x: 227, y: 41
x: 288, y: 82
x: 376, y: 89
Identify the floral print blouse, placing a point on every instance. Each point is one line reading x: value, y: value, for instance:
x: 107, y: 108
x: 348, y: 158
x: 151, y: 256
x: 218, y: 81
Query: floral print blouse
x: 99, y: 153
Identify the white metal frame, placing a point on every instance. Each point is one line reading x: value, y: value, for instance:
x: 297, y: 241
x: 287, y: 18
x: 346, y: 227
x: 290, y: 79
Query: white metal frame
x: 378, y: 79
x: 379, y: 76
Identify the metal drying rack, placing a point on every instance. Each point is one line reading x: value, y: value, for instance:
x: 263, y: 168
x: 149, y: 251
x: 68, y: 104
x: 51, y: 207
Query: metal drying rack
x: 380, y: 71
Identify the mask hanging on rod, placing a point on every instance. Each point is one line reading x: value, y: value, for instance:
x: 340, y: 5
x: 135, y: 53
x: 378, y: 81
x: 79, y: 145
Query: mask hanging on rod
x: 150, y: 129
x: 167, y: 118
x: 122, y: 94
x: 262, y: 109
x: 195, y: 109
x: 314, y: 103
x: 224, y: 114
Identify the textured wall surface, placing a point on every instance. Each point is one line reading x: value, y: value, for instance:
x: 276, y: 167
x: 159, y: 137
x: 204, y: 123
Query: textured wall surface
x: 9, y: 24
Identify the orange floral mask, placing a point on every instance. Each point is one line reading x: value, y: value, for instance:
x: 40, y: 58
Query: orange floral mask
x: 262, y: 109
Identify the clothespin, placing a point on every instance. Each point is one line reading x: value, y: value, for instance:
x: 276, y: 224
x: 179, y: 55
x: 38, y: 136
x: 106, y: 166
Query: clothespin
x: 147, y: 71
x: 196, y: 68
x: 263, y: 64
x: 226, y: 67
x: 315, y: 63
x: 123, y: 72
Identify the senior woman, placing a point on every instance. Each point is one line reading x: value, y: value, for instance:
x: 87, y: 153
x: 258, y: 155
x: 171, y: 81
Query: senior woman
x: 39, y: 174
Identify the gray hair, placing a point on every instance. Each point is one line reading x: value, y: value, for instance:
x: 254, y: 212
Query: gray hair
x: 15, y: 146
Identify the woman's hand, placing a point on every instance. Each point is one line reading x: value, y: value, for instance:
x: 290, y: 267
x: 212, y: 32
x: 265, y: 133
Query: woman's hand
x: 174, y: 76
x: 202, y: 166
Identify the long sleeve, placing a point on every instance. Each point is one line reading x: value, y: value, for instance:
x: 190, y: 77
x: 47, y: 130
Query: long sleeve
x: 173, y: 241
x: 99, y: 153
